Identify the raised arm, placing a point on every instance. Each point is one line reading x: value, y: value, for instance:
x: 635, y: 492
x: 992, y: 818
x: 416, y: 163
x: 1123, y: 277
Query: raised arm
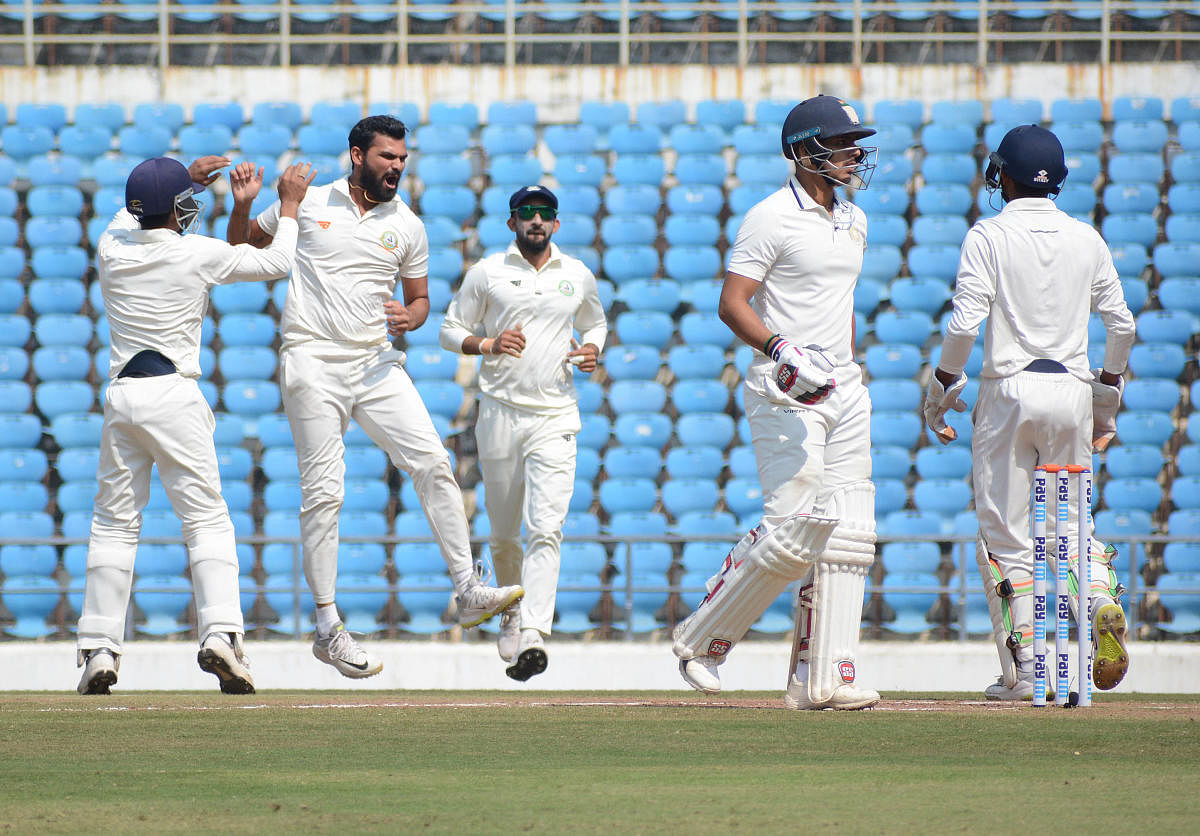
x: 245, y: 182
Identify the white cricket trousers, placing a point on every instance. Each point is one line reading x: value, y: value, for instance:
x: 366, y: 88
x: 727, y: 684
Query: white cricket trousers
x: 165, y: 421
x: 326, y: 384
x: 805, y: 452
x: 1021, y: 421
x: 528, y: 465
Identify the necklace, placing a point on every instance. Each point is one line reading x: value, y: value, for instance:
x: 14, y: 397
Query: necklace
x: 366, y: 196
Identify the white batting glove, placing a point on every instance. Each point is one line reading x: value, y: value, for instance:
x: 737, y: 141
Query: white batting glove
x: 1106, y: 400
x: 804, y: 374
x: 938, y: 401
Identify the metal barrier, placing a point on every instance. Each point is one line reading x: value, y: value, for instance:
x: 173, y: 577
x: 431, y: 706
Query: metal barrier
x: 605, y: 32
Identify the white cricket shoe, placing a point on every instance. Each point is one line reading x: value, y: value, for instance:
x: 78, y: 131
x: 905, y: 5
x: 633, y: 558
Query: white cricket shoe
x: 222, y: 655
x: 531, y: 658
x: 1110, y: 659
x: 1023, y: 690
x: 341, y: 650
x: 510, y: 633
x: 479, y: 603
x: 846, y: 697
x: 99, y: 672
x: 701, y: 673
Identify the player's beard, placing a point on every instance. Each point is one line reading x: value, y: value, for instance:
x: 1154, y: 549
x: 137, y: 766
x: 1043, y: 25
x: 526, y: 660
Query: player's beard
x: 533, y: 246
x: 373, y: 186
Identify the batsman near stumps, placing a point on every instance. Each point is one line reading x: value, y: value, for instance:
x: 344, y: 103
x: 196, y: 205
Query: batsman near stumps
x: 789, y: 293
x: 1034, y: 273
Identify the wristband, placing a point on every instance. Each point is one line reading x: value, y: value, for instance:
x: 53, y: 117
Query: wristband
x: 767, y: 345
x: 484, y: 348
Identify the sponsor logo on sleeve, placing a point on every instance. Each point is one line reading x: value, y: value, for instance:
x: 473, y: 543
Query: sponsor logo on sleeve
x: 389, y: 240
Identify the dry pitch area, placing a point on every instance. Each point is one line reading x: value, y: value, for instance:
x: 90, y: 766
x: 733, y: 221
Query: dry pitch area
x: 488, y: 762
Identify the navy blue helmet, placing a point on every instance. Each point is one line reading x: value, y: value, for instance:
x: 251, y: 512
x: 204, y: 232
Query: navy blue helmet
x: 1030, y: 155
x: 809, y: 127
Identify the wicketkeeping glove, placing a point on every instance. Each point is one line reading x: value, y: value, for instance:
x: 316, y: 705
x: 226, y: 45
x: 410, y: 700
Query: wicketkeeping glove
x: 804, y: 374
x: 1106, y: 400
x: 938, y: 401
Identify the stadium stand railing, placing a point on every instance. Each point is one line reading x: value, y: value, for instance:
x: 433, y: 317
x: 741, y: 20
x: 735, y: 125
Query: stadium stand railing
x: 740, y: 32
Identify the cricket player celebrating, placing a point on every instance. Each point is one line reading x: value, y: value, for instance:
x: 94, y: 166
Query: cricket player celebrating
x: 355, y: 239
x: 155, y: 282
x: 518, y: 309
x: 789, y: 293
x: 1034, y: 273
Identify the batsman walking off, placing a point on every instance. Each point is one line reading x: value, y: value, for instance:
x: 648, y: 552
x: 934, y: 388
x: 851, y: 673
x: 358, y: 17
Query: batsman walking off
x: 155, y: 282
x: 1034, y: 273
x: 519, y: 310
x: 356, y: 238
x: 789, y: 293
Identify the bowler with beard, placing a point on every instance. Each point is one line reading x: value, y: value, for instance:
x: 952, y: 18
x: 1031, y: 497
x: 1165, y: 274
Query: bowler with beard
x: 356, y: 239
x: 520, y: 310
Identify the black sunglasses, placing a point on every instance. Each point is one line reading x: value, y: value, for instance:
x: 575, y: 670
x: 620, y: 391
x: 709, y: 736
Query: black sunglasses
x: 526, y: 213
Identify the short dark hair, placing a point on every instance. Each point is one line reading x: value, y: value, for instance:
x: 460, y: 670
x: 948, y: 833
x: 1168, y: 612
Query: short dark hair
x: 155, y: 221
x: 363, y: 134
x: 1017, y: 189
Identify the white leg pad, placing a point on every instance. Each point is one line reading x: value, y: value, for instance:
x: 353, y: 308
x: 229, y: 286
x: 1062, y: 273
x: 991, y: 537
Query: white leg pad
x: 754, y: 574
x: 831, y: 604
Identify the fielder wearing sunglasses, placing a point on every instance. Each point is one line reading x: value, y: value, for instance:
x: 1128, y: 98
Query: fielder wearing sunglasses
x: 527, y: 212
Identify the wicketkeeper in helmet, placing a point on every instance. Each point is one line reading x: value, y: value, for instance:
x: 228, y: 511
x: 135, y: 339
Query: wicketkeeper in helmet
x: 789, y: 294
x: 1034, y: 273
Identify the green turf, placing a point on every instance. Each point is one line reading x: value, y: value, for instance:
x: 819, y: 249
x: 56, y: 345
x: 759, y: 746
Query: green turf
x: 169, y: 763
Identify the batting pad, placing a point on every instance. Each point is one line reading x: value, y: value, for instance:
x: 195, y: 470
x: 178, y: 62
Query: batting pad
x: 754, y: 574
x: 831, y: 604
x: 1105, y: 588
x: 1011, y: 613
x: 109, y: 580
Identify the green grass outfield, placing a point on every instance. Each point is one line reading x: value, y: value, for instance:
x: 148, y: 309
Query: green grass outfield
x: 490, y: 762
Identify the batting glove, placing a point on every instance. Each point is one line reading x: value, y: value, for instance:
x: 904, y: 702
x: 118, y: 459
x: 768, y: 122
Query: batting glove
x: 804, y: 374
x: 1106, y: 400
x: 938, y: 401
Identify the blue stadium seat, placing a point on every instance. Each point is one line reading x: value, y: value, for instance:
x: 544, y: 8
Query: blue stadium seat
x: 628, y: 494
x: 696, y: 361
x: 681, y: 496
x: 1153, y: 394
x: 883, y: 198
x: 702, y: 461
x: 938, y: 261
x: 663, y: 115
x: 888, y: 461
x: 1166, y: 326
x: 1137, y: 108
x: 926, y: 295
x: 726, y: 114
x: 20, y: 143
x: 943, y: 462
x: 693, y: 263
x: 1153, y: 428
x: 1012, y: 111
x: 642, y: 428
x: 1130, y: 227
x: 1183, y: 227
x: 943, y: 199
x: 1135, y: 167
x: 636, y: 395
x: 570, y: 139
x: 681, y: 230
x: 893, y: 360
x: 1161, y: 360
x: 689, y: 396
x: 908, y: 326
x: 715, y: 428
x: 696, y: 138
x: 894, y: 169
x: 603, y: 116
x: 893, y: 428
x: 910, y: 609
x: 635, y: 138
x: 1076, y: 199
x: 967, y: 111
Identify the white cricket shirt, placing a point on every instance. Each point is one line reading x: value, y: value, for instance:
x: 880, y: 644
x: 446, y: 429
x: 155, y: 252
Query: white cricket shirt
x: 347, y: 264
x: 1035, y: 273
x: 807, y: 262
x: 155, y: 285
x: 504, y: 290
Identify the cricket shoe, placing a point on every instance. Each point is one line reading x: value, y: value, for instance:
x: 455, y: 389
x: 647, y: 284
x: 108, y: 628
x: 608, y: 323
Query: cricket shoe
x: 845, y: 697
x: 99, y: 672
x: 223, y: 656
x: 510, y: 633
x: 479, y: 603
x: 1110, y: 659
x: 531, y: 658
x: 701, y: 673
x: 341, y: 650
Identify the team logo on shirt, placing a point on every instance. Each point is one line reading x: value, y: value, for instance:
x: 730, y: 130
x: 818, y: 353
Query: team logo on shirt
x: 324, y: 224
x: 389, y: 240
x: 566, y: 288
